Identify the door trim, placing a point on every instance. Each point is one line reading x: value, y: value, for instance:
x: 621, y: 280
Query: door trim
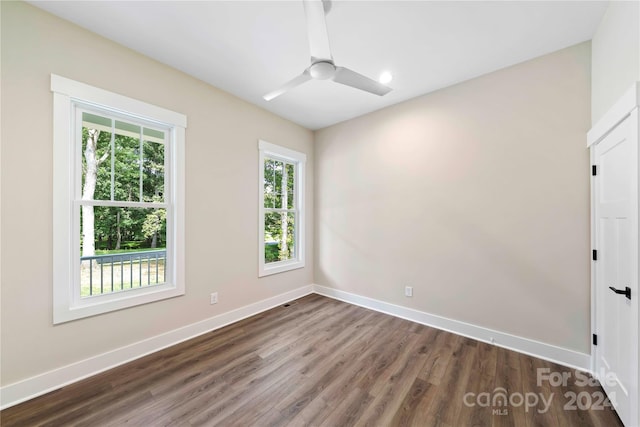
x: 617, y: 113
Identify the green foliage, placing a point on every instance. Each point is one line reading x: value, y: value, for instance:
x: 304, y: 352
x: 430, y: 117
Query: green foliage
x: 134, y: 245
x: 128, y: 247
x: 271, y: 253
x: 102, y: 247
x: 154, y: 223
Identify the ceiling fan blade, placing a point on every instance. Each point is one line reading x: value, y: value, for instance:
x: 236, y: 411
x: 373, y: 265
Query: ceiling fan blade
x: 317, y: 29
x: 348, y: 77
x: 296, y: 81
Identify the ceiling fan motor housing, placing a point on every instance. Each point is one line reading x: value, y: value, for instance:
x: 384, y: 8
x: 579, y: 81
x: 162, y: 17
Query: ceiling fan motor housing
x: 322, y: 70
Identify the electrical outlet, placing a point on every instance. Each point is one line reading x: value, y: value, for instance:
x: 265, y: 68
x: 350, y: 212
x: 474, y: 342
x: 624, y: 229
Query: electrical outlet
x: 408, y: 291
x: 214, y: 298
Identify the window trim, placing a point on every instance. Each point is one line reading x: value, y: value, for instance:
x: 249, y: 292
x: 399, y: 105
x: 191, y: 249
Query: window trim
x: 66, y: 95
x: 277, y: 152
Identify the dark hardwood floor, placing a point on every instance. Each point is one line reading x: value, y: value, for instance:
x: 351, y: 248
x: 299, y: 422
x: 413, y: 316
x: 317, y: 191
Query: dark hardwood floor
x: 322, y: 362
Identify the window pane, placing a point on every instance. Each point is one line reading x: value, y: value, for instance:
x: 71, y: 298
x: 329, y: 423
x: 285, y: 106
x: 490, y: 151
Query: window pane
x: 268, y: 185
x: 290, y: 169
x: 121, y: 248
x: 96, y: 150
x: 273, y: 183
x: 277, y: 177
x: 279, y: 236
x: 126, y: 168
x: 117, y: 167
x: 279, y: 182
x: 153, y: 172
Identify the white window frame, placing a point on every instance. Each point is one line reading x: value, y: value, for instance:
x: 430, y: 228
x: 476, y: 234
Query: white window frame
x: 68, y: 97
x: 276, y: 152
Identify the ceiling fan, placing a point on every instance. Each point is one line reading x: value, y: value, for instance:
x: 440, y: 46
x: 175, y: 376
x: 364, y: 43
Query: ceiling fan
x: 322, y: 66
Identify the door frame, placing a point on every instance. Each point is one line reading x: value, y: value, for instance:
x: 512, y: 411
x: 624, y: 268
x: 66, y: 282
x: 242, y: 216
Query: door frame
x: 625, y: 107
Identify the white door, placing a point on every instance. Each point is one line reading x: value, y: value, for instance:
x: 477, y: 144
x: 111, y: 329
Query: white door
x: 616, y: 237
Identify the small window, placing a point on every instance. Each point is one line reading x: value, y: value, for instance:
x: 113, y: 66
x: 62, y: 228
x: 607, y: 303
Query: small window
x: 281, y: 203
x: 118, y: 201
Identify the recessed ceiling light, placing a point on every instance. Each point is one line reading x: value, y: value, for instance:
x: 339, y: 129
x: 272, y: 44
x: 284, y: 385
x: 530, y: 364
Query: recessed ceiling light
x: 385, y: 77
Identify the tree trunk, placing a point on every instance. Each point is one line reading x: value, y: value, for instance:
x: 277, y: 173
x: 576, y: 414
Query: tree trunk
x: 90, y: 177
x: 118, y: 231
x: 89, y: 189
x: 154, y: 240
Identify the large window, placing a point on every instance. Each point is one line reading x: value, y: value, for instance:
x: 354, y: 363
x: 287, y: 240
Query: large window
x: 118, y: 201
x: 281, y: 204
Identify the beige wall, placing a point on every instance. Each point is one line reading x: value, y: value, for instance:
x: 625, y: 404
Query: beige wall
x: 221, y: 192
x: 615, y: 55
x: 476, y: 195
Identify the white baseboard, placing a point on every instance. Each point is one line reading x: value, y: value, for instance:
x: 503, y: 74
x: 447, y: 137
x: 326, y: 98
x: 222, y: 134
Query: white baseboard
x: 18, y: 392
x: 562, y: 356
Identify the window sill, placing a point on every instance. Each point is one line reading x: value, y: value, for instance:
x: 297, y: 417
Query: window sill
x: 279, y: 267
x: 94, y: 307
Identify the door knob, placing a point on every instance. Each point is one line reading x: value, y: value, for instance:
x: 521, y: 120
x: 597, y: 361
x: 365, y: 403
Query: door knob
x: 626, y: 291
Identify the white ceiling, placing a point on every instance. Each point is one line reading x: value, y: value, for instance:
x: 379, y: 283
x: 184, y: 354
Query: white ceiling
x: 249, y: 48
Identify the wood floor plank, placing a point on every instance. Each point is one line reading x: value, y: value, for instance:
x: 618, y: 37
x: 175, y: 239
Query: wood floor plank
x: 535, y: 415
x: 396, y: 382
x: 317, y: 362
x: 54, y: 404
x: 507, y: 381
x: 406, y: 413
x: 350, y: 409
x: 470, y: 415
x: 302, y: 328
x: 457, y: 381
x: 417, y: 410
x: 323, y: 373
x: 439, y: 357
x: 486, y: 365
